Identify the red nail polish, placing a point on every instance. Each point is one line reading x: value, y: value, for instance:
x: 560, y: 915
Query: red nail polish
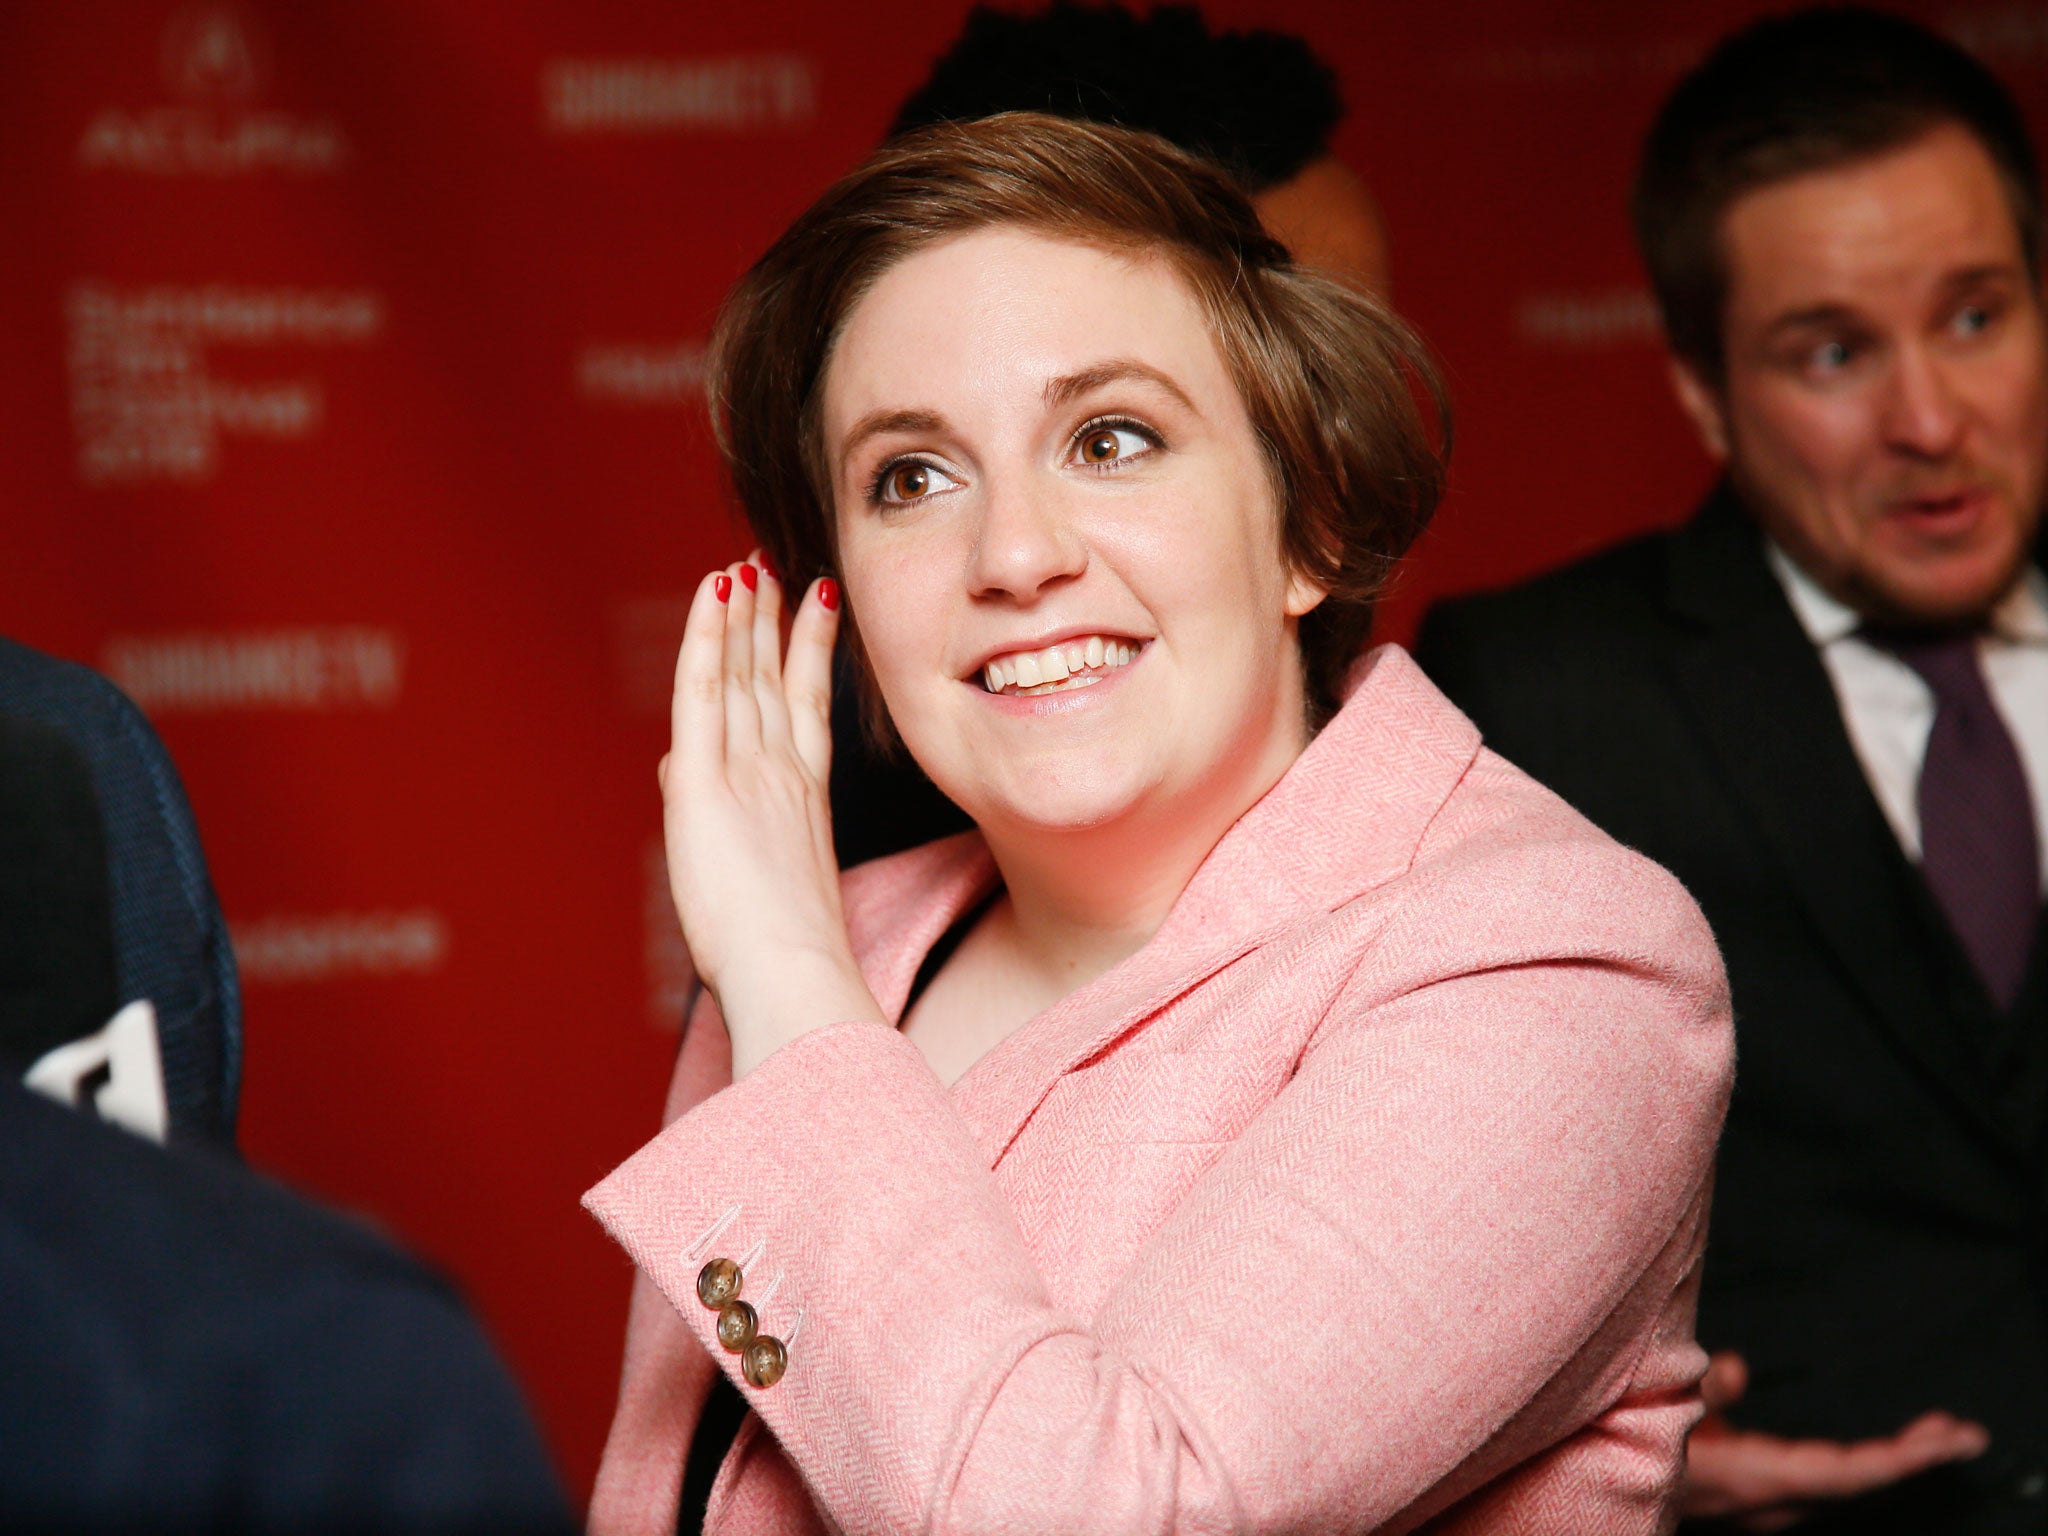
x: 828, y: 594
x: 768, y: 566
x: 749, y: 577
x: 721, y: 587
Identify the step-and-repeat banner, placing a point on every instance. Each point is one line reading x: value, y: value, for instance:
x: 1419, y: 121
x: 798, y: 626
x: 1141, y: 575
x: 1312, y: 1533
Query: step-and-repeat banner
x: 350, y: 365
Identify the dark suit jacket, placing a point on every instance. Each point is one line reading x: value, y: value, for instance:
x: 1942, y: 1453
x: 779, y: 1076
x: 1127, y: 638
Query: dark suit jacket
x: 1880, y: 1231
x: 189, y: 1348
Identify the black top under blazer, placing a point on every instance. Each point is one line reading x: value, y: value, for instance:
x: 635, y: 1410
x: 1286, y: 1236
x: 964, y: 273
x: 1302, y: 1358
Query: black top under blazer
x: 1879, y: 1243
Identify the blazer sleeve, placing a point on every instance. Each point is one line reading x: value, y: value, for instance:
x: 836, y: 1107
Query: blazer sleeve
x: 1459, y: 1243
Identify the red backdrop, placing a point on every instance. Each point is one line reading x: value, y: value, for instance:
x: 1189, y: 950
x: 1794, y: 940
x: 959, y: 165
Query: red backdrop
x: 349, y: 357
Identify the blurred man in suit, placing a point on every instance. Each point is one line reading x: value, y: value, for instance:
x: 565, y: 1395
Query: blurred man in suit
x: 1823, y: 703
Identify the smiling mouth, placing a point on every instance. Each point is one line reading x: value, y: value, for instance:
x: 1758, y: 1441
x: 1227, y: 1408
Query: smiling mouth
x: 1072, y: 664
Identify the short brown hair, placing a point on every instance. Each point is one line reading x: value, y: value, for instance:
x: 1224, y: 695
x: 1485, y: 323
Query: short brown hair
x: 1334, y: 385
x: 1790, y: 95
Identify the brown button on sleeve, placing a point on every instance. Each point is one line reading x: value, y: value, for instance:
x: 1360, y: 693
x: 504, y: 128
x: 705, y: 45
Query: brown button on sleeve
x: 764, y: 1361
x: 737, y: 1325
x: 717, y: 1283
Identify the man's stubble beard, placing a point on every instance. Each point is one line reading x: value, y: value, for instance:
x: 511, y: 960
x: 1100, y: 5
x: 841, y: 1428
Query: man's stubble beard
x: 1857, y: 584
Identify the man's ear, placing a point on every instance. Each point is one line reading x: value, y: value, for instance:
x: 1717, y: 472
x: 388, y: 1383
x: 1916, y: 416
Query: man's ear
x: 1702, y: 405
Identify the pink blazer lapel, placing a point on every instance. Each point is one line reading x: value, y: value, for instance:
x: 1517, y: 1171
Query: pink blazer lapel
x: 1347, y: 817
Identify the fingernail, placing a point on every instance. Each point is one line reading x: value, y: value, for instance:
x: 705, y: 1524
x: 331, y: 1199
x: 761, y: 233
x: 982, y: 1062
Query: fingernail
x: 721, y: 587
x: 749, y: 577
x: 828, y: 593
x: 768, y: 566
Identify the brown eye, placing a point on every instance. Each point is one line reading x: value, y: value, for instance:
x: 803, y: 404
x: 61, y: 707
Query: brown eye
x: 1112, y: 444
x: 911, y: 481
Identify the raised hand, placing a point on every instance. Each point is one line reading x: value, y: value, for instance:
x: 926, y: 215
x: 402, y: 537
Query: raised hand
x: 746, y: 819
x: 1760, y: 1482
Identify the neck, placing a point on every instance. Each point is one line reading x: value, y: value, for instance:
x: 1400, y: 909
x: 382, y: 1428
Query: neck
x: 1083, y: 899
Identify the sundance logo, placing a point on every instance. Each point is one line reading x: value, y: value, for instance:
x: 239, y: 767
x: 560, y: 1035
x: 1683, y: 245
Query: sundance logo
x: 678, y: 95
x: 295, y: 669
x: 337, y: 945
x: 144, y: 403
x: 215, y: 60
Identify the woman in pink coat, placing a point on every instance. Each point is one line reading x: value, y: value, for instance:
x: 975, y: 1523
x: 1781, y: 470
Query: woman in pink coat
x: 1280, y: 1113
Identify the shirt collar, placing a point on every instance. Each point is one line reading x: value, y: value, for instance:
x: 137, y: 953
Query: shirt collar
x: 2022, y: 614
x: 2019, y: 618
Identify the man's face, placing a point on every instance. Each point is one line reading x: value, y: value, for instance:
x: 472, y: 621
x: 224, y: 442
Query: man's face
x: 1884, y: 410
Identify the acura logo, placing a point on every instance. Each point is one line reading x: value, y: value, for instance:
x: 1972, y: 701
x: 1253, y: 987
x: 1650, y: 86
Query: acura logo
x: 211, y: 53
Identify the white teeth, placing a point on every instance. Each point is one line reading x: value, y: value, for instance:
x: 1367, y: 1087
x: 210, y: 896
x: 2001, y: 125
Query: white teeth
x: 1053, y: 667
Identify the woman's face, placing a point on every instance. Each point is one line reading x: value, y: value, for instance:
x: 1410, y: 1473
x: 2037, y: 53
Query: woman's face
x: 1059, y: 537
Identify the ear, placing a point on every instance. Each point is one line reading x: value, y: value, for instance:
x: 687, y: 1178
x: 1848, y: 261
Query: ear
x: 1303, y: 595
x: 1702, y: 405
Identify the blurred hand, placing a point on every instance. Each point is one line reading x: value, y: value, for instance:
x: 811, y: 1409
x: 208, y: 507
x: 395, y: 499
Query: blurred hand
x: 1759, y: 1482
x: 747, y: 824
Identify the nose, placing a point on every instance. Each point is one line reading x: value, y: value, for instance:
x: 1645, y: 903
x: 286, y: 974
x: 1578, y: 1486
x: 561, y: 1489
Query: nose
x: 1025, y: 543
x: 1923, y: 414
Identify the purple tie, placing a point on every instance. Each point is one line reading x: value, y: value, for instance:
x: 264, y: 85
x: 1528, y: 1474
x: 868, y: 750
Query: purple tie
x: 1977, y: 838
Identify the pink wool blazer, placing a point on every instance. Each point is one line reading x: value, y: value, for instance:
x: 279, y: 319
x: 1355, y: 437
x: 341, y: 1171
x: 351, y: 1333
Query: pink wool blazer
x: 1368, y: 1196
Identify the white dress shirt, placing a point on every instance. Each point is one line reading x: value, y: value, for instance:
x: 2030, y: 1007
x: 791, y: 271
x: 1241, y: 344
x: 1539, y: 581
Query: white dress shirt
x: 1889, y: 710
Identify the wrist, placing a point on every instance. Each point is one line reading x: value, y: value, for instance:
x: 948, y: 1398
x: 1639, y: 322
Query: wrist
x: 769, y: 1005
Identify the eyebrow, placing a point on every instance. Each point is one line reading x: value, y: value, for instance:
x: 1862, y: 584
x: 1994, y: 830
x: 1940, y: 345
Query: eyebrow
x: 1072, y: 385
x: 1836, y: 314
x: 1814, y: 315
x: 876, y: 423
x: 1986, y: 272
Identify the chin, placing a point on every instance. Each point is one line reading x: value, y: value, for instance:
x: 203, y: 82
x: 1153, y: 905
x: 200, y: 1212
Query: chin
x: 1077, y: 813
x: 1042, y: 802
x: 1956, y: 589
